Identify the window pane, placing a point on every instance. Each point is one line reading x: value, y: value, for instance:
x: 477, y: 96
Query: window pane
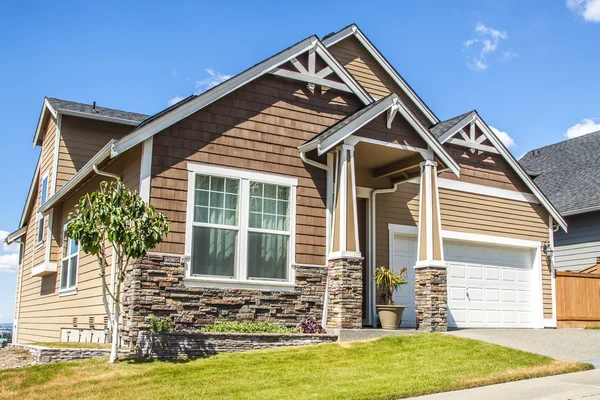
x: 213, y: 251
x: 273, y: 204
x: 201, y: 214
x: 211, y: 201
x: 73, y: 247
x: 202, y: 182
x: 267, y: 256
x: 65, y: 245
x: 44, y: 190
x: 64, y: 273
x: 73, y: 271
x: 40, y: 233
x: 202, y: 198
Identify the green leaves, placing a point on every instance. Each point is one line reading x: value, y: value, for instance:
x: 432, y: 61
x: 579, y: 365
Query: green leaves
x: 119, y: 215
x: 388, y: 282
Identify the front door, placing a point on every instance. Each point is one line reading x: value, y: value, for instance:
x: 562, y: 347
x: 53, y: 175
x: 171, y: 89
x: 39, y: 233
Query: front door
x: 362, y: 213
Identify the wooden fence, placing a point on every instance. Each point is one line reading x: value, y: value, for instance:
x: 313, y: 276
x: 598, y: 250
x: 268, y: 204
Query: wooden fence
x: 577, y: 299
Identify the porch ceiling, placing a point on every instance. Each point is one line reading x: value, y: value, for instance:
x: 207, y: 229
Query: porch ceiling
x: 386, y: 162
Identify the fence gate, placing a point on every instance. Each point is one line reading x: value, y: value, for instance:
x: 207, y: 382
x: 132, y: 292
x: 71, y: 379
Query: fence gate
x: 577, y: 299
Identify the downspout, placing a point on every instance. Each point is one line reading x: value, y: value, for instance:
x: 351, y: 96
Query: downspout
x: 104, y: 173
x: 16, y: 322
x: 374, y: 243
x: 325, y: 168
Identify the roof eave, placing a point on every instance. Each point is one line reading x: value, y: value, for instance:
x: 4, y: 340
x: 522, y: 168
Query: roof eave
x: 87, y: 169
x: 98, y: 117
x: 14, y: 236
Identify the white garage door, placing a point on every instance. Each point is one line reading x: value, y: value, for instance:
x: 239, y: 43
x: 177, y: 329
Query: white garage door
x: 488, y: 286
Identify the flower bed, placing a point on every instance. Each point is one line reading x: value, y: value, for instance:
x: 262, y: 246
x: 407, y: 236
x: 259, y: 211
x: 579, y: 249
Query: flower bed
x: 168, y: 345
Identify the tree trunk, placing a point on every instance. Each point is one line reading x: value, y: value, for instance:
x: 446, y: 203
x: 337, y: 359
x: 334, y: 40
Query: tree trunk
x: 114, y: 348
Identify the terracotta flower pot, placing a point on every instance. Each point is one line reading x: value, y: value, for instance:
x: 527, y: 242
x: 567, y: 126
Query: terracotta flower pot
x: 390, y: 316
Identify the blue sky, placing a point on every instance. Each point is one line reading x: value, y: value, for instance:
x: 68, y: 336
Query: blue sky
x: 529, y: 67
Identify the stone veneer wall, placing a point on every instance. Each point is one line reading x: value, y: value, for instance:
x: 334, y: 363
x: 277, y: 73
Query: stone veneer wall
x: 344, y: 300
x: 45, y: 355
x: 431, y: 299
x: 197, y: 344
x: 155, y: 286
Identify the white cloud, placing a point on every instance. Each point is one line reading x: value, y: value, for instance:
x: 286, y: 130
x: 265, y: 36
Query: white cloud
x: 504, y: 137
x: 174, y: 100
x: 213, y: 79
x: 588, y: 9
x: 487, y: 42
x: 9, y: 254
x: 587, y: 125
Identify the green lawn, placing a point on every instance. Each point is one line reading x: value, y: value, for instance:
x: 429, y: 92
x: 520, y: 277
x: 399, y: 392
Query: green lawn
x: 73, y: 345
x: 391, y: 367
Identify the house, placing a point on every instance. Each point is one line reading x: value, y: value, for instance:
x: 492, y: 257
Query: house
x: 285, y: 187
x: 567, y: 173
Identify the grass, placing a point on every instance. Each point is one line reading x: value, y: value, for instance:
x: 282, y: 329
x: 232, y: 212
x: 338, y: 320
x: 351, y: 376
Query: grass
x: 73, y: 345
x: 593, y: 327
x: 390, y: 367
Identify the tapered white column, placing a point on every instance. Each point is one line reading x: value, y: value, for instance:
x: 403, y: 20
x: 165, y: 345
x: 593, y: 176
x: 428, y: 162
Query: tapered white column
x: 431, y: 251
x: 345, y: 225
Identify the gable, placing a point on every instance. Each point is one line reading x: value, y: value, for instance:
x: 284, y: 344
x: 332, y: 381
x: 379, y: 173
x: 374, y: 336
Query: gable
x: 313, y: 79
x: 484, y: 168
x: 370, y: 74
x: 257, y: 127
x: 400, y: 132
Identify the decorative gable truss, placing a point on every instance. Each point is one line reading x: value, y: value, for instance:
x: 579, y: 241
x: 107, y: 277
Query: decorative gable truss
x: 469, y: 132
x: 308, y: 61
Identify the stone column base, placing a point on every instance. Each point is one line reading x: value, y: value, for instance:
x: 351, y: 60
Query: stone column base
x: 431, y: 299
x: 344, y: 294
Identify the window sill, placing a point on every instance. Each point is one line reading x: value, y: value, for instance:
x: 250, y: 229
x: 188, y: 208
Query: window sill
x: 39, y: 244
x: 67, y: 292
x: 237, y: 284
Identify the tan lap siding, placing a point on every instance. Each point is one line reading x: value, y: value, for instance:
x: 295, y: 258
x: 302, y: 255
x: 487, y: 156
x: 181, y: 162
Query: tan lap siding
x: 484, y: 169
x: 258, y: 127
x: 486, y: 215
x: 43, y: 312
x: 370, y: 74
x: 467, y: 212
x: 80, y: 140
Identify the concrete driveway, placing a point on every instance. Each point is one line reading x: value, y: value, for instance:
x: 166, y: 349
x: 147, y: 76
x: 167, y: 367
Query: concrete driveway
x: 562, y: 344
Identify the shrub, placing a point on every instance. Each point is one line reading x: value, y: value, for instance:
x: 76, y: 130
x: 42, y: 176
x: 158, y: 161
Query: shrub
x: 247, y: 327
x: 163, y: 324
x: 310, y: 325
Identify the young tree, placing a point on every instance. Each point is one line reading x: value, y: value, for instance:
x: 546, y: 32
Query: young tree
x: 115, y: 217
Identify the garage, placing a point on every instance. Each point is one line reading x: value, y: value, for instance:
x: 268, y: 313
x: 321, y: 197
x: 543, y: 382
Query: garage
x: 490, y: 285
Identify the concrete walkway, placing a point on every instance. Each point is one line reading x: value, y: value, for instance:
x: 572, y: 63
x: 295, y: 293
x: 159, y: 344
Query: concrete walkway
x: 561, y: 344
x: 579, y: 385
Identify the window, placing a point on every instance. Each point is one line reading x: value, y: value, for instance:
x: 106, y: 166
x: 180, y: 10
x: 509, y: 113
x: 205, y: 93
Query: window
x: 69, y: 262
x: 240, y: 226
x: 40, y: 218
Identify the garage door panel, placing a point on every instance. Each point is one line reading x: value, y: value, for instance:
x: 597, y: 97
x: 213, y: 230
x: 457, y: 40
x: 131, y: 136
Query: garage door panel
x: 488, y: 285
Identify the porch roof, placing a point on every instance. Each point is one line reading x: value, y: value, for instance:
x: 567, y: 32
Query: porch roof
x: 391, y: 103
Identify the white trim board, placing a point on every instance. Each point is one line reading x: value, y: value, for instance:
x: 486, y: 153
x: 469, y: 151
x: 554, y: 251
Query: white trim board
x: 445, y: 183
x: 354, y: 30
x: 146, y: 169
x: 212, y: 95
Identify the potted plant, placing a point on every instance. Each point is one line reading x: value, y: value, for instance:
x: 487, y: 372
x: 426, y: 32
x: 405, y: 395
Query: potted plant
x: 388, y: 282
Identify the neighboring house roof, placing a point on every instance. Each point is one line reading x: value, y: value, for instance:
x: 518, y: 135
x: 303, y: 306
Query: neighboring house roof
x: 333, y: 38
x: 568, y: 173
x: 55, y: 107
x: 445, y: 130
x: 344, y: 128
x: 185, y: 108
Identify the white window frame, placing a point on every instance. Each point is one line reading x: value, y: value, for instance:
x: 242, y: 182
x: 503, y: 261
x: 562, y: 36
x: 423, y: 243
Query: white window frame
x: 240, y: 280
x: 69, y: 290
x: 39, y: 216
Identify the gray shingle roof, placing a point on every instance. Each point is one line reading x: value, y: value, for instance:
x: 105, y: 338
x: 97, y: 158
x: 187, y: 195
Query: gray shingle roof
x: 341, y: 124
x: 66, y: 105
x: 442, y: 127
x: 568, y: 172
